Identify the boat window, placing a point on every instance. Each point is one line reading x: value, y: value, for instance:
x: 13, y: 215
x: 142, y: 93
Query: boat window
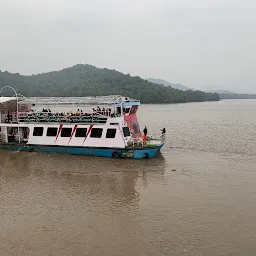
x: 127, y: 110
x: 38, y: 131
x: 118, y: 110
x: 111, y: 133
x: 66, y: 132
x: 81, y: 132
x: 126, y: 131
x: 96, y: 133
x: 51, y: 132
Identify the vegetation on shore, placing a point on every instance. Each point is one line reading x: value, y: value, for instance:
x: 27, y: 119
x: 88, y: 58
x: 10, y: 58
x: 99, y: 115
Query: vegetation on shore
x: 226, y: 96
x: 86, y: 80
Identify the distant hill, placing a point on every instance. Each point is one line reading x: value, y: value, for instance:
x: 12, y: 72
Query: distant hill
x: 237, y: 96
x: 165, y: 83
x: 220, y: 91
x: 231, y: 95
x: 86, y: 80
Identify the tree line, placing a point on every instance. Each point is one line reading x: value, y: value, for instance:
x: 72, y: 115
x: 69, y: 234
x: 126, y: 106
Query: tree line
x: 86, y: 80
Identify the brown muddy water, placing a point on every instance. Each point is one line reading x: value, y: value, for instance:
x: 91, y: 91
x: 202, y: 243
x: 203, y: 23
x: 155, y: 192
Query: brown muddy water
x: 76, y: 205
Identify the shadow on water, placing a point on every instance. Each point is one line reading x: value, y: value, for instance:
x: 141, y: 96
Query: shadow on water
x: 77, y: 165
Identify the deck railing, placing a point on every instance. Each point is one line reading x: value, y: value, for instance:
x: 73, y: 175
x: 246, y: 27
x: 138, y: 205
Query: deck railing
x: 157, y: 137
x: 46, y: 117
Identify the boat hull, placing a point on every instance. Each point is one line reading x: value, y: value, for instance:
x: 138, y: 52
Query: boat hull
x: 88, y: 151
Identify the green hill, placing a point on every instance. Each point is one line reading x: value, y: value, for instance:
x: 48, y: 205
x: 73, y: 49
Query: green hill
x: 86, y: 80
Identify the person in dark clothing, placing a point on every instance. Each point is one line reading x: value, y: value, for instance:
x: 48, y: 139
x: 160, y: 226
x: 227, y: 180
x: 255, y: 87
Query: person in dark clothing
x: 8, y: 117
x: 163, y: 131
x: 163, y: 134
x: 145, y: 131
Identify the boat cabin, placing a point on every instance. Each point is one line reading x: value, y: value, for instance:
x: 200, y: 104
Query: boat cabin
x: 107, y: 121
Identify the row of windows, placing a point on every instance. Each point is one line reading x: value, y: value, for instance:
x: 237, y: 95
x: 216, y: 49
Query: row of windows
x: 80, y: 132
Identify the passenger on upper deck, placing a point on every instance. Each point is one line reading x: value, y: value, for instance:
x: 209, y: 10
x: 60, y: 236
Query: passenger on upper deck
x: 8, y: 117
x: 46, y: 110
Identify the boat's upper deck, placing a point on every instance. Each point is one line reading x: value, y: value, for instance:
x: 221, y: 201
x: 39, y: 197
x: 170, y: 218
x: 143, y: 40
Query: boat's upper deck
x: 90, y: 100
x: 97, y: 110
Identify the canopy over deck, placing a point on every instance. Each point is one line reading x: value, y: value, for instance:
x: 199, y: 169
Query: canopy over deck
x: 91, y: 100
x: 8, y: 104
x: 6, y: 99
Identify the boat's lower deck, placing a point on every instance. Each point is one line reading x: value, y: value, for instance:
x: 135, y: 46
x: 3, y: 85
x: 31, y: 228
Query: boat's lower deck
x: 136, y: 153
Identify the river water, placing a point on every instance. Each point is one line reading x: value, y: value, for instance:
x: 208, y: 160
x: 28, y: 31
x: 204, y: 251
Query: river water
x: 198, y: 197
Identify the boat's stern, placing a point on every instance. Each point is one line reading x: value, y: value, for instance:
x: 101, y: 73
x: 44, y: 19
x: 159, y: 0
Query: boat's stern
x: 141, y: 150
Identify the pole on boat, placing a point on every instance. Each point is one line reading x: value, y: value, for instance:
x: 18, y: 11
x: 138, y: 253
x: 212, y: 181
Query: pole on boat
x: 17, y: 105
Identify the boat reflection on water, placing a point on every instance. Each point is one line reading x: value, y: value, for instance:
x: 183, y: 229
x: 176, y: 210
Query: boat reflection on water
x: 91, y: 174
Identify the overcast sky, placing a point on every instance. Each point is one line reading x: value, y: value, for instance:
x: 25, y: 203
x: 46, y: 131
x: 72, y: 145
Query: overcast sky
x: 202, y: 44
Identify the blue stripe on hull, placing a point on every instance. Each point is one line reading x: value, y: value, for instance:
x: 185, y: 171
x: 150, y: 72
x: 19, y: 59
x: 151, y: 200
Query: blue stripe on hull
x: 103, y: 152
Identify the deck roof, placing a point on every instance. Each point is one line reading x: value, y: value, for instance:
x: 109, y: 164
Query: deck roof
x: 6, y: 99
x: 111, y: 99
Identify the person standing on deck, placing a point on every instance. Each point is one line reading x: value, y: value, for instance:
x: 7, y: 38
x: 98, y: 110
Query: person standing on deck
x: 145, y: 131
x: 8, y: 117
x: 163, y: 133
x: 144, y: 137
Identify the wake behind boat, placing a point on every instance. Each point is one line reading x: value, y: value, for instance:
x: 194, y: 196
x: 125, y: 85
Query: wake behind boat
x: 104, y: 126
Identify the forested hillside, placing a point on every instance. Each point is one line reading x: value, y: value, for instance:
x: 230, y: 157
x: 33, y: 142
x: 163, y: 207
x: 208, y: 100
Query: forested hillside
x: 87, y: 80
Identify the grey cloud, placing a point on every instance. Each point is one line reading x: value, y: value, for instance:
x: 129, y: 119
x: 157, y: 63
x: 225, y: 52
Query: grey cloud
x: 202, y: 44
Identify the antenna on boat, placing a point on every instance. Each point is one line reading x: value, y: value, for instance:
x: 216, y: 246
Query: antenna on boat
x: 16, y: 95
x: 17, y: 102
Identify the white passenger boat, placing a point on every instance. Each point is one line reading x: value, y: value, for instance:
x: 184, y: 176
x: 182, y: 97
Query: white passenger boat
x: 104, y: 126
